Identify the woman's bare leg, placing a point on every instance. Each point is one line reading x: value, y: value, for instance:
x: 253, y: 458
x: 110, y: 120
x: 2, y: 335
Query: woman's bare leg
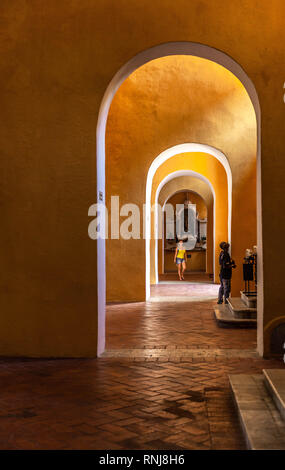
x: 183, y: 269
x: 179, y: 270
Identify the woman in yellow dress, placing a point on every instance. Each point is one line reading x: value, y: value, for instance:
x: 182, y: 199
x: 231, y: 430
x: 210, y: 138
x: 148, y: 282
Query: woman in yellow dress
x: 180, y: 259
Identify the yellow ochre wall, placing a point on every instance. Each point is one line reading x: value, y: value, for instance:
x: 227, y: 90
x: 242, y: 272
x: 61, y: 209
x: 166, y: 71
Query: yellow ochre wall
x: 57, y: 59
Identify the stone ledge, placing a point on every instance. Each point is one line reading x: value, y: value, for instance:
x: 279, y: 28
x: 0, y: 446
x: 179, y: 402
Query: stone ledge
x: 240, y: 310
x: 225, y: 317
x: 179, y: 352
x: 249, y: 300
x: 261, y: 422
x: 275, y: 383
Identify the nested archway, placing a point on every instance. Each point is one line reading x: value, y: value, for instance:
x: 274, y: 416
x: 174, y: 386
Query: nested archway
x: 166, y: 180
x: 202, y: 194
x: 163, y: 50
x: 194, y: 222
x: 197, y: 160
x: 196, y: 186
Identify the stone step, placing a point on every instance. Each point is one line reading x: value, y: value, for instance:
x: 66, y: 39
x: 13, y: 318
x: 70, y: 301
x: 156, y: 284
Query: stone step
x: 240, y: 310
x: 226, y: 318
x: 275, y: 383
x: 249, y: 300
x: 261, y: 422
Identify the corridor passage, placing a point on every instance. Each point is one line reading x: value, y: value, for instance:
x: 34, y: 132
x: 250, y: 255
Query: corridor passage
x: 179, y: 315
x: 175, y: 398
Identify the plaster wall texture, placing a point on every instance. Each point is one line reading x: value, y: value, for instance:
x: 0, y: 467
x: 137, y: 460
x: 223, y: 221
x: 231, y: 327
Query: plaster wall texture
x: 57, y: 59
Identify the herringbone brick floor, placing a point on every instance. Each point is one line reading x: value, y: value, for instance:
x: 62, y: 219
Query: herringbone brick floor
x: 136, y: 402
x: 178, y: 314
x: 120, y: 404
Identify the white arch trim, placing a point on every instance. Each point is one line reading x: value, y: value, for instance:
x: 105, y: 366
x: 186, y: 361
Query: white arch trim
x: 170, y: 177
x: 163, y: 50
x: 157, y: 162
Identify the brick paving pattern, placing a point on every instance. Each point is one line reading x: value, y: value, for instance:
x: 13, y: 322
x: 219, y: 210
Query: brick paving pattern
x: 169, y: 323
x: 142, y: 400
x: 120, y: 404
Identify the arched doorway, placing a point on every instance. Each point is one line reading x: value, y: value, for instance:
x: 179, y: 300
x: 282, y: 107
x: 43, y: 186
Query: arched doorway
x: 157, y: 163
x: 201, y: 190
x: 165, y: 181
x: 183, y: 184
x: 201, y: 232
x: 174, y: 48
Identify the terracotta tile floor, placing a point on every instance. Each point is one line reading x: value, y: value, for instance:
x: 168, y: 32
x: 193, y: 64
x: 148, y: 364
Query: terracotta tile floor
x: 179, y: 314
x: 117, y: 404
x: 150, y: 402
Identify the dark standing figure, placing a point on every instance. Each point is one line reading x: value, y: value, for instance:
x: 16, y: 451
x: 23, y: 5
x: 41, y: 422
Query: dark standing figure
x: 226, y: 264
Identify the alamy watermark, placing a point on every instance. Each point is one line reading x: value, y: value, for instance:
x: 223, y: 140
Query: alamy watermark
x: 129, y: 221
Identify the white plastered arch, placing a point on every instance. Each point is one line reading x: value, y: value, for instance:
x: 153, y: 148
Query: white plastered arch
x: 157, y: 162
x: 163, y: 50
x: 168, y: 178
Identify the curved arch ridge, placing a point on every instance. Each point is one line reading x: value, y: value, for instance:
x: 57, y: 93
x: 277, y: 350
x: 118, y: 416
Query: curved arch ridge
x: 157, y: 162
